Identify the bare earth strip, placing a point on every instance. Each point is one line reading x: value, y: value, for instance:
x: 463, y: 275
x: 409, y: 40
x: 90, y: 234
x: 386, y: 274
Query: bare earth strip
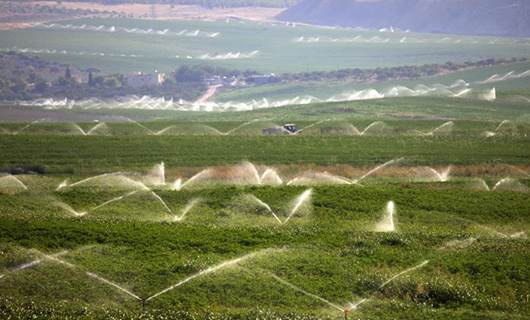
x: 208, y: 94
x: 158, y: 12
x: 181, y: 12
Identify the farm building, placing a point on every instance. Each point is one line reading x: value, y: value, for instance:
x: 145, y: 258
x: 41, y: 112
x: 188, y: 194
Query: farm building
x: 262, y: 79
x: 140, y: 79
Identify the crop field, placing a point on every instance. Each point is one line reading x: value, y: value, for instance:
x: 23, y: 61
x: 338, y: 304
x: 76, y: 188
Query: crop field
x: 123, y: 45
x: 393, y: 200
x: 108, y: 248
x: 475, y: 78
x: 412, y: 219
x: 512, y: 105
x: 93, y: 155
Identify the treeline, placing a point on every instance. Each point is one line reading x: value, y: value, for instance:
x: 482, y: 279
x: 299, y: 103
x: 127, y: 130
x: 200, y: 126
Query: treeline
x: 13, y: 10
x: 200, y: 73
x: 26, y: 77
x: 394, y: 73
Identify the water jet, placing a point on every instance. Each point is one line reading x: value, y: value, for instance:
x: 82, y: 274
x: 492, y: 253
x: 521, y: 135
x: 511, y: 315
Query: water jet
x: 157, y: 175
x: 377, y: 168
x: 386, y: 224
x: 303, y: 199
x: 264, y: 205
x: 209, y: 270
x: 192, y: 203
x: 424, y: 263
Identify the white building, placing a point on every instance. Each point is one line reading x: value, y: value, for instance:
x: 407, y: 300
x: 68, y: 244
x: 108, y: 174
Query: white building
x: 140, y: 79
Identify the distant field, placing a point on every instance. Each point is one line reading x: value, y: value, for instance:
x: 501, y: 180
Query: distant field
x: 327, y: 89
x: 511, y: 105
x: 267, y: 47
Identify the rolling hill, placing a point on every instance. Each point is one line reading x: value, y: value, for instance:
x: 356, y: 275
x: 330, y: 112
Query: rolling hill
x: 477, y: 17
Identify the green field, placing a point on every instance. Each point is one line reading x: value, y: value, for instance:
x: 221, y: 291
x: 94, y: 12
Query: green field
x: 327, y: 89
x: 328, y: 249
x: 91, y: 154
x: 510, y: 104
x: 404, y: 207
x: 278, y: 50
x: 111, y: 248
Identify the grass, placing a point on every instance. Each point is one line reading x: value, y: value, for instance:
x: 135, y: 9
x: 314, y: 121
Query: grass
x: 279, y: 52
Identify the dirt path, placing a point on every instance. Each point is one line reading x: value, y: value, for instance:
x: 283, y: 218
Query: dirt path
x: 208, y: 94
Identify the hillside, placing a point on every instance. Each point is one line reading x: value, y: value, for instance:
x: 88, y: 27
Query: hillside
x: 477, y: 17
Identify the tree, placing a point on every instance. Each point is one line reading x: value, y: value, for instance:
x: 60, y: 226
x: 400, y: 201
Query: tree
x: 68, y: 73
x: 90, y: 79
x: 40, y: 86
x: 187, y: 74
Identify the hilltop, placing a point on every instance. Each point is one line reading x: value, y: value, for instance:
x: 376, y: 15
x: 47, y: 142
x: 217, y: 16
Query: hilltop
x: 474, y: 17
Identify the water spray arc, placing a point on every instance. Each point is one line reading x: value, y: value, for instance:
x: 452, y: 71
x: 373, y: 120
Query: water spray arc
x: 65, y: 183
x: 266, y: 206
x: 495, y: 132
x: 209, y: 270
x: 507, y: 183
x: 32, y: 263
x: 245, y: 172
x: 189, y: 206
x: 377, y: 168
x: 28, y: 126
x: 325, y: 176
x: 443, y: 176
x: 370, y: 126
x: 113, y: 200
x: 351, y: 305
x: 296, y: 288
x: 90, y: 131
x: 445, y: 126
x: 10, y: 181
x: 94, y: 276
x: 110, y: 283
x: 71, y: 210
x: 136, y: 185
x: 394, y: 277
x: 437, y: 175
x: 309, y: 126
x: 178, y: 185
x: 302, y: 199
